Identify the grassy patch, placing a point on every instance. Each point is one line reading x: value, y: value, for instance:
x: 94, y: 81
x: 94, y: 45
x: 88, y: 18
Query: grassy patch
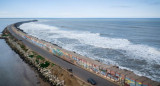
x: 40, y: 57
x: 31, y: 56
x: 53, y: 64
x: 37, y: 61
x: 44, y: 65
x: 4, y: 35
x: 22, y: 46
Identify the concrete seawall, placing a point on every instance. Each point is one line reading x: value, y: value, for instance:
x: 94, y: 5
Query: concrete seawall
x: 109, y: 72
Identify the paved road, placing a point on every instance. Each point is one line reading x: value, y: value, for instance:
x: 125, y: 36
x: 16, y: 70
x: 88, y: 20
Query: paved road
x: 81, y: 73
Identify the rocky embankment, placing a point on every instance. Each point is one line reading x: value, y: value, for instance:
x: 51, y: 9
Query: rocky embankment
x: 2, y: 36
x: 47, y: 70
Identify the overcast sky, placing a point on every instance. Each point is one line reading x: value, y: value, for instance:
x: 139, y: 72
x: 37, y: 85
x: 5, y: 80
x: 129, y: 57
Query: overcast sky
x: 80, y: 8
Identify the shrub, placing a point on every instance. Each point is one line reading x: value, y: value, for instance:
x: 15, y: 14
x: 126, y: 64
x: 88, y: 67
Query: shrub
x: 40, y: 57
x: 22, y: 46
x: 4, y: 35
x: 37, y: 61
x: 44, y: 65
x: 53, y: 64
x: 31, y: 56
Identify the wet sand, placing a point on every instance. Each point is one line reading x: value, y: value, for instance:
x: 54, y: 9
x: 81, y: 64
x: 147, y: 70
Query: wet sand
x: 14, y: 71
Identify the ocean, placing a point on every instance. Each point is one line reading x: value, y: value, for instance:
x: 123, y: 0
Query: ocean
x: 132, y: 44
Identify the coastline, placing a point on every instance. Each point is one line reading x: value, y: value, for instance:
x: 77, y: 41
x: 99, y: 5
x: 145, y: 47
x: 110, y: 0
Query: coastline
x: 109, y: 72
x: 46, y: 73
x: 112, y: 69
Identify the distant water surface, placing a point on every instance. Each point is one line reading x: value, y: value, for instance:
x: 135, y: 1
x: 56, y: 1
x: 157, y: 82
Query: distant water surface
x: 132, y: 44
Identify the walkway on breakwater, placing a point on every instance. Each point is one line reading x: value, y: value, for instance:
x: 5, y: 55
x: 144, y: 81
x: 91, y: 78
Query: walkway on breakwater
x: 81, y: 73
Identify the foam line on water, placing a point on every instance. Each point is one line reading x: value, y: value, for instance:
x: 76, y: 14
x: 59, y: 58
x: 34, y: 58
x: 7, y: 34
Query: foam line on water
x: 137, y: 51
x: 134, y: 51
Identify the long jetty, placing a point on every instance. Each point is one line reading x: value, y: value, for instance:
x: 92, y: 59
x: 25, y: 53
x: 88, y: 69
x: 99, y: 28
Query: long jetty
x: 108, y: 72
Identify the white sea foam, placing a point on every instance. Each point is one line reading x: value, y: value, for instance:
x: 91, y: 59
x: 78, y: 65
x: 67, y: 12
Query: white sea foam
x: 135, y: 51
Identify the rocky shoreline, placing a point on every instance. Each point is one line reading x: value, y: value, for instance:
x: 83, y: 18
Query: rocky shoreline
x: 23, y: 57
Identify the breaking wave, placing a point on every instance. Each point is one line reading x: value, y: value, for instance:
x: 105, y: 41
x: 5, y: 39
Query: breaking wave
x: 83, y: 38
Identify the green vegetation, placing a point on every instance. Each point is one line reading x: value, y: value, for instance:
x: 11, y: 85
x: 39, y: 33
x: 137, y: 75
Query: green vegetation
x: 53, y: 64
x: 11, y: 36
x: 37, y: 61
x: 4, y: 35
x: 44, y: 65
x: 102, y: 70
x: 31, y: 56
x: 40, y: 57
x: 22, y: 46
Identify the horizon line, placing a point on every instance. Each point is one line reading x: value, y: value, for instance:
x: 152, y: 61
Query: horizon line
x: 72, y: 17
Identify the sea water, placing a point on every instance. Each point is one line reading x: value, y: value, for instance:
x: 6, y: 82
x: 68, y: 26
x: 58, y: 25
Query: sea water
x: 132, y: 44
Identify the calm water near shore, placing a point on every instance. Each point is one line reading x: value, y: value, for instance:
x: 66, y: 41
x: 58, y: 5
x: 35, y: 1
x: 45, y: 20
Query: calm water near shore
x: 13, y: 70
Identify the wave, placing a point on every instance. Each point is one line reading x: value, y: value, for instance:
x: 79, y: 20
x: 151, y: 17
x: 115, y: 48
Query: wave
x: 94, y: 39
x: 134, y: 51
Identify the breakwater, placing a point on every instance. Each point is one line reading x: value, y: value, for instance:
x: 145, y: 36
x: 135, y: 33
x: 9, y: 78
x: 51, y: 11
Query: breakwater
x: 123, y: 77
x: 24, y: 53
x: 47, y: 70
